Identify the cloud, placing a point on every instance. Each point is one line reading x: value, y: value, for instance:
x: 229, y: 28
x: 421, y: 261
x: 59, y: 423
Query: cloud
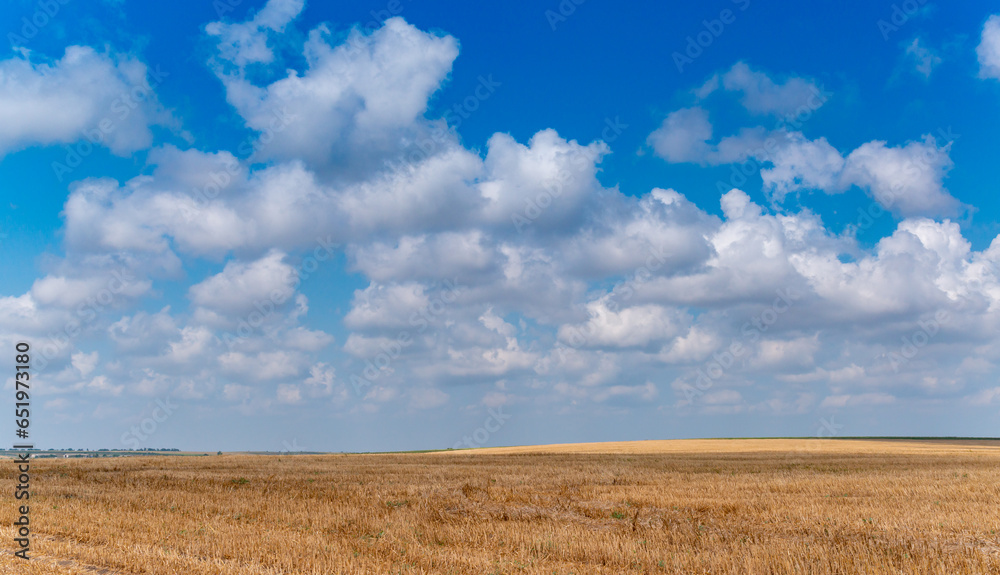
x: 907, y: 180
x: 455, y: 254
x: 762, y: 95
x: 321, y: 380
x: 266, y: 365
x: 289, y: 393
x: 107, y: 99
x: 518, y: 179
x: 84, y: 362
x: 645, y: 392
x: 144, y: 332
x: 246, y: 43
x: 847, y: 400
x: 598, y: 298
x: 985, y: 397
x: 356, y: 103
x: 636, y: 326
x: 683, y: 136
x: 799, y: 163
x: 386, y: 305
x: 696, y: 345
x: 924, y: 59
x: 779, y: 354
x: 101, y: 385
x: 723, y: 397
x: 988, y: 50
x: 243, y: 287
x: 72, y: 292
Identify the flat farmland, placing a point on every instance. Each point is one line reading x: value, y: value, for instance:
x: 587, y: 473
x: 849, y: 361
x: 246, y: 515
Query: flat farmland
x: 685, y: 506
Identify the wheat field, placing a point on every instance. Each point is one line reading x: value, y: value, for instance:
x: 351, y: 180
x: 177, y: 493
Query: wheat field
x: 699, y: 506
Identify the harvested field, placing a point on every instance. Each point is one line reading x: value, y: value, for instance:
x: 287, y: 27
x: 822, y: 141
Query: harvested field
x: 698, y: 506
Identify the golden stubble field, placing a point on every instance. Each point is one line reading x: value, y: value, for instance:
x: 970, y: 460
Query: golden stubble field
x: 699, y: 506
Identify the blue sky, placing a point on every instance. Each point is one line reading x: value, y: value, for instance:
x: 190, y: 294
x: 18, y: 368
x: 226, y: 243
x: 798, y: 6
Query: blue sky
x: 406, y: 225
